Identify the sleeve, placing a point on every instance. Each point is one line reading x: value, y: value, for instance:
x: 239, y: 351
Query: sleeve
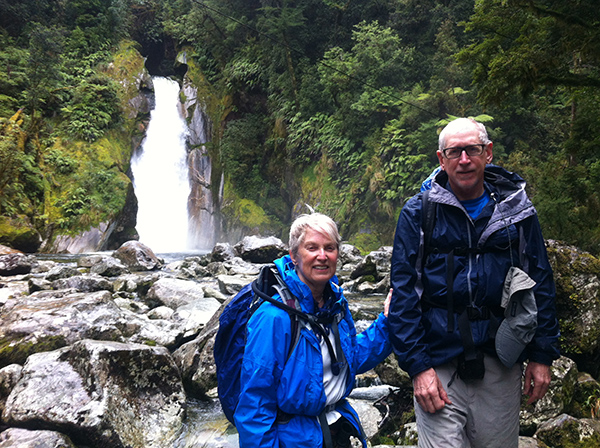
x: 268, y: 339
x: 373, y: 344
x: 405, y: 323
x: 544, y: 348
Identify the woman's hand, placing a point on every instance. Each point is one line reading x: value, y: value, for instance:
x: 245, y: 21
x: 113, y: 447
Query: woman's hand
x: 386, y: 304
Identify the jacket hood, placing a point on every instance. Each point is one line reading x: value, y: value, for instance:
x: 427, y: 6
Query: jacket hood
x: 286, y: 268
x: 507, y: 189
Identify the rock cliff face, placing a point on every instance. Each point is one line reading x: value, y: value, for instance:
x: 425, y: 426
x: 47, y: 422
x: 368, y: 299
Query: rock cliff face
x: 107, y: 353
x: 112, y: 154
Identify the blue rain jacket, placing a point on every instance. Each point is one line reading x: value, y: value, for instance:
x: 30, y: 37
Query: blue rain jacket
x: 418, y: 315
x: 295, y: 386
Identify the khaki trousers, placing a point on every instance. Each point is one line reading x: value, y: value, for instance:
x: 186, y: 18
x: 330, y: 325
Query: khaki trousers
x: 483, y: 414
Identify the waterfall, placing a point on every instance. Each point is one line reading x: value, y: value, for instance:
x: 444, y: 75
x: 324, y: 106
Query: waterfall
x: 160, y: 174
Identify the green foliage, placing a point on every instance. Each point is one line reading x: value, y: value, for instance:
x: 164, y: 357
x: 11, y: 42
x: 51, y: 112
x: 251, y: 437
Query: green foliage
x: 93, y: 109
x: 352, y: 92
x: 12, y: 79
x: 565, y: 195
x: 526, y: 44
x: 405, y: 164
x: 62, y: 164
x: 242, y: 155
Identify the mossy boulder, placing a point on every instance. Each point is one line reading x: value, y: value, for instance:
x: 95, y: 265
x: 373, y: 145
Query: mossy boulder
x: 19, y: 235
x: 577, y: 277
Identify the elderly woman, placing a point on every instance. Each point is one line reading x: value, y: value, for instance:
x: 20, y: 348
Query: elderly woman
x: 297, y: 399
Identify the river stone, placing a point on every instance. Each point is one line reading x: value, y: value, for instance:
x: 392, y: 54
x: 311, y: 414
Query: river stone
x: 84, y: 283
x: 137, y: 256
x: 174, y: 292
x: 563, y: 383
x: 222, y: 252
x: 13, y: 289
x: 368, y: 414
x: 25, y: 438
x: 193, y: 316
x: 565, y: 430
x: 190, y: 268
x: 102, y: 393
x: 196, y: 360
x: 61, y: 271
x: 577, y: 277
x: 15, y: 264
x: 87, y: 261
x: 109, y: 267
x: 4, y: 250
x: 238, y: 266
x: 43, y: 321
x: 256, y: 249
x: 232, y: 284
x: 9, y: 376
x: 349, y: 254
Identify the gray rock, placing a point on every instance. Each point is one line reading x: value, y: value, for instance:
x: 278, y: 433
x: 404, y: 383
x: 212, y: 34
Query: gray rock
x: 258, y: 249
x: 161, y: 312
x: 38, y: 284
x: 109, y: 267
x: 102, y: 394
x: 14, y: 288
x: 43, y: 322
x: 191, y: 267
x: 193, y: 316
x: 563, y: 382
x: 137, y: 256
x: 565, y: 430
x: 25, y: 438
x: 174, y: 292
x: 61, y: 271
x: 222, y: 252
x: 209, y: 291
x: 577, y: 277
x: 196, y: 361
x: 87, y: 261
x: 238, y: 266
x: 349, y: 254
x: 134, y: 306
x: 15, y: 264
x: 84, y: 283
x: 232, y: 284
x: 9, y: 376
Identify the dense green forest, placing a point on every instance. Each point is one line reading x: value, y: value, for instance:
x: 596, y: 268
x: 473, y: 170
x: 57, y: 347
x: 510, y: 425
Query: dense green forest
x: 331, y: 103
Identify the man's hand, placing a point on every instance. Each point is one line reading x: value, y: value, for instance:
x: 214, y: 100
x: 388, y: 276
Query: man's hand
x: 537, y: 381
x: 429, y: 392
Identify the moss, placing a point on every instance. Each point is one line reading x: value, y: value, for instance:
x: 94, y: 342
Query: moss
x: 15, y: 352
x: 18, y: 234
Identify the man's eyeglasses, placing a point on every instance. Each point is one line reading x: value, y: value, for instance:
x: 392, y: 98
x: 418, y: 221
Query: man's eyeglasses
x: 456, y: 151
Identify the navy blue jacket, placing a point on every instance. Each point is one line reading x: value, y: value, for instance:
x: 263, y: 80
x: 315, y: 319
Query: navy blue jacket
x: 418, y: 316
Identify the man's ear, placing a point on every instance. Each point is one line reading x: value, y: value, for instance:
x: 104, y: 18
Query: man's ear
x: 292, y: 257
x: 441, y: 159
x: 489, y: 154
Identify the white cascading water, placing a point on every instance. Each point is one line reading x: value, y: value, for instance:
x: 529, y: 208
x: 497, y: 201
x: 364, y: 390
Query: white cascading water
x: 160, y: 174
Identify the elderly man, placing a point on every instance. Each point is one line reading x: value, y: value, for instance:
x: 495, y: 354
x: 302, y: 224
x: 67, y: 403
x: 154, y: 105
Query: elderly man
x: 473, y: 297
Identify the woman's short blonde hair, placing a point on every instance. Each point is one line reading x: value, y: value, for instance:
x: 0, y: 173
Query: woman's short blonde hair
x: 315, y: 221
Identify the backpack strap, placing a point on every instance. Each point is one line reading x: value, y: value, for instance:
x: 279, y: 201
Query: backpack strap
x: 265, y: 282
x: 428, y: 215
